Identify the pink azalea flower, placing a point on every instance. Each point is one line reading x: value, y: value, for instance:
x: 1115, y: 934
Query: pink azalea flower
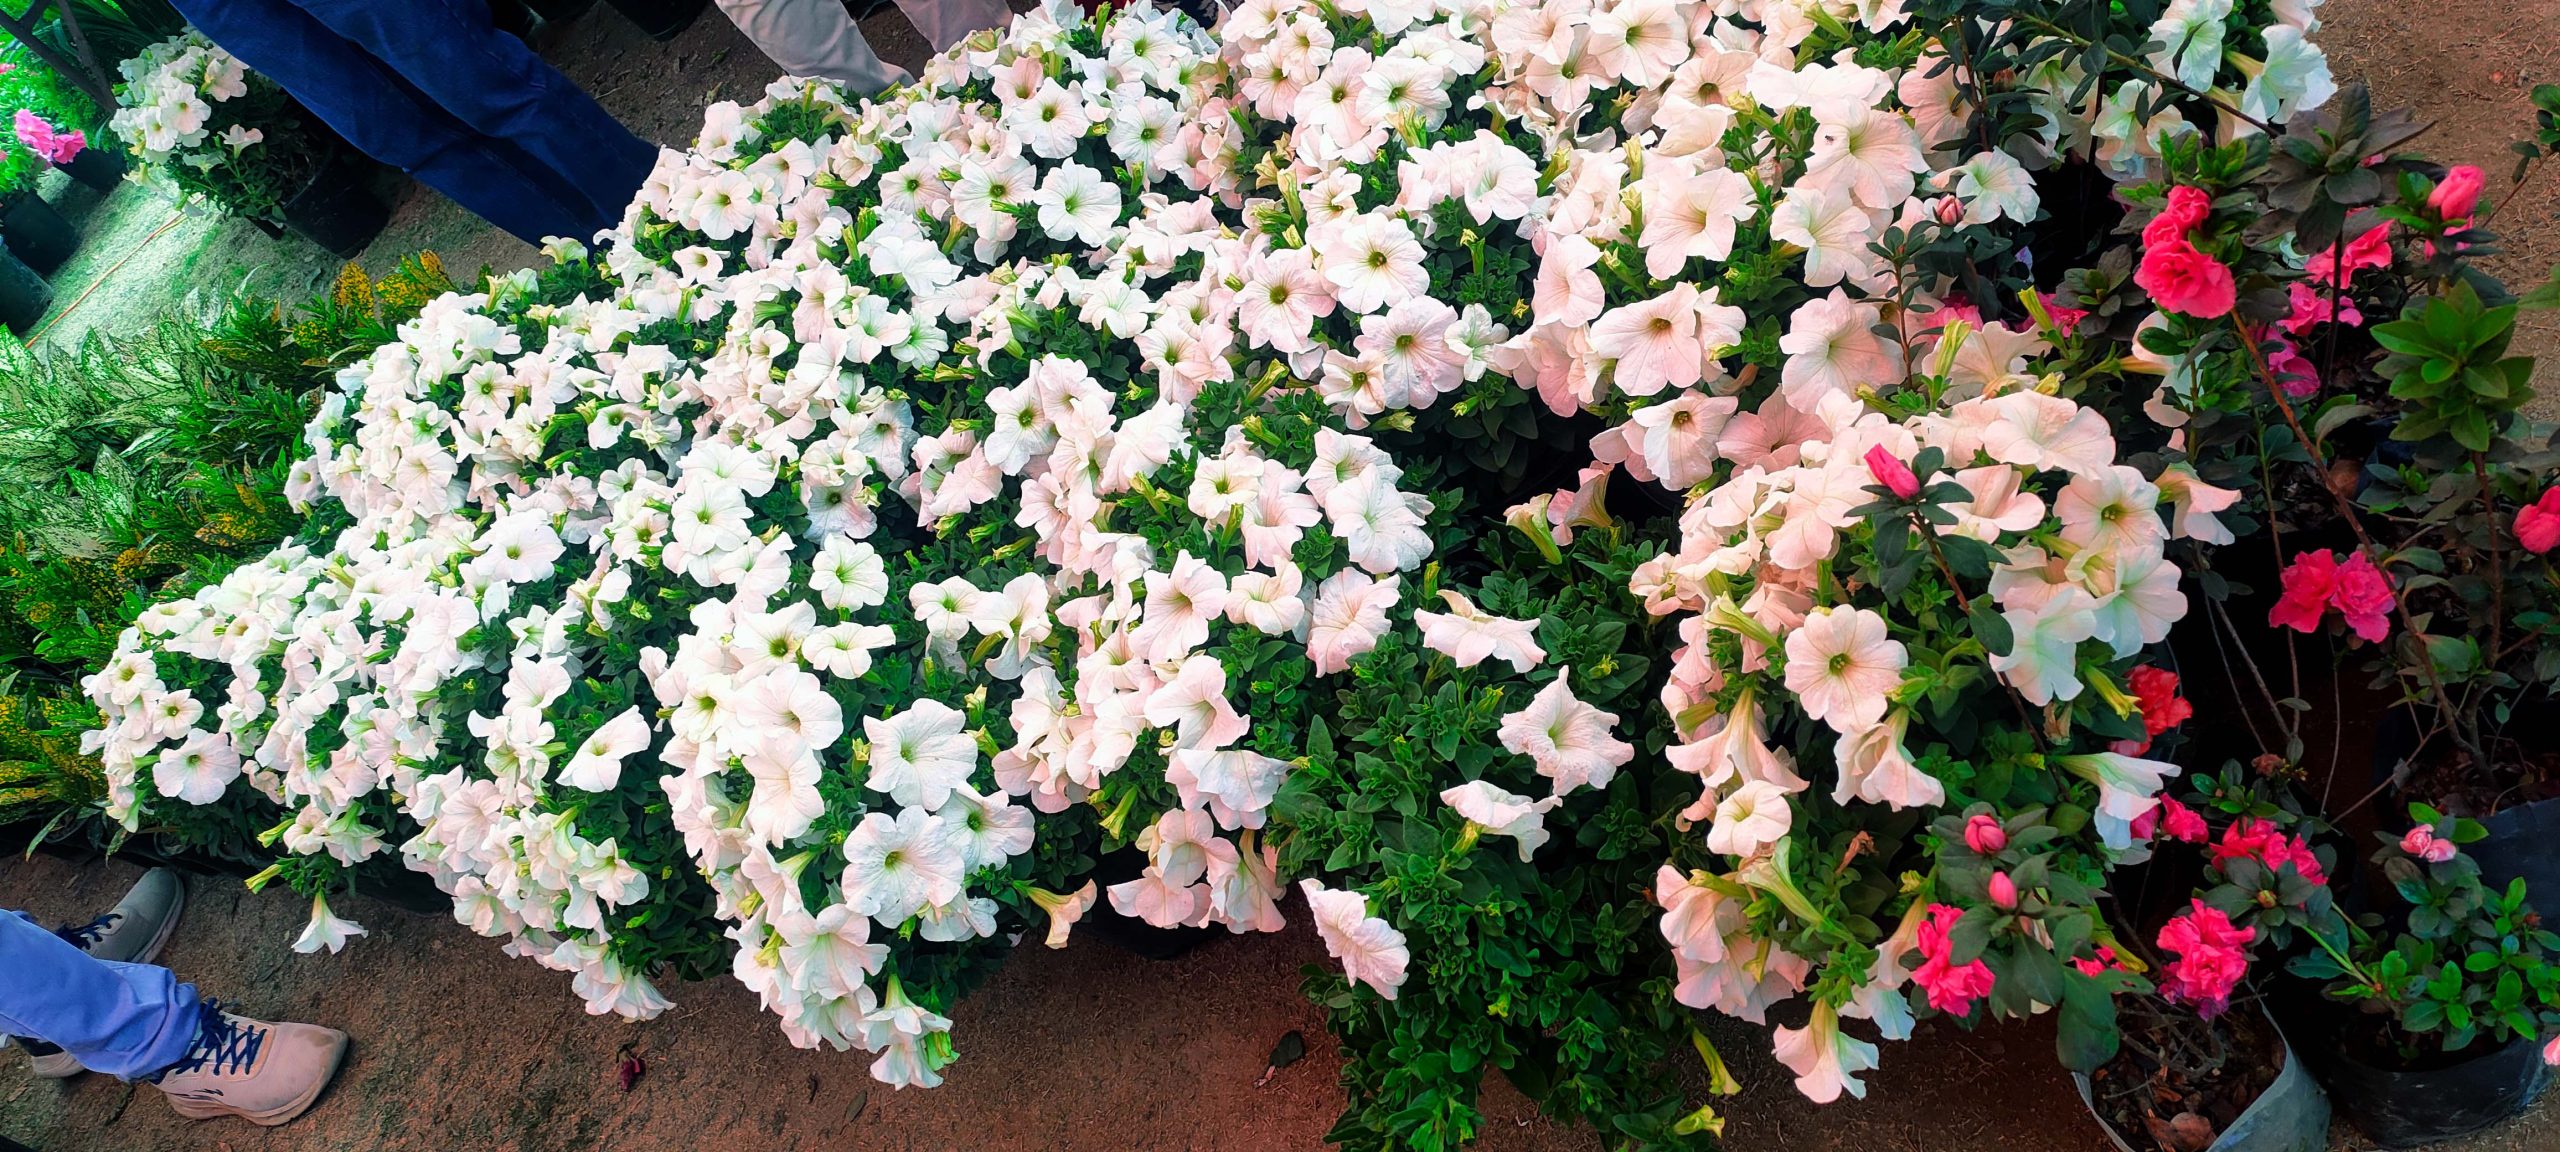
x: 2371, y: 250
x: 2252, y: 838
x: 2423, y: 843
x: 2312, y: 306
x: 1984, y: 835
x: 2551, y: 1052
x: 1952, y: 989
x: 2212, y: 958
x: 2183, y: 280
x: 2362, y: 594
x: 1892, y: 473
x: 2184, y: 823
x: 2538, y: 523
x: 2066, y: 319
x: 2293, y: 371
x: 2454, y: 199
x: 2105, y: 959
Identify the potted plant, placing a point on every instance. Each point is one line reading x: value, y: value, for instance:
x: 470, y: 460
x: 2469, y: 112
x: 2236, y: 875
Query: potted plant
x: 2202, y: 1063
x: 24, y: 295
x: 2366, y: 400
x: 201, y: 122
x: 2453, y: 993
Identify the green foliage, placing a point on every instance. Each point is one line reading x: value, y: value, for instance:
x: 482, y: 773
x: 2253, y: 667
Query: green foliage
x: 2448, y: 362
x: 1547, y: 970
x: 140, y: 467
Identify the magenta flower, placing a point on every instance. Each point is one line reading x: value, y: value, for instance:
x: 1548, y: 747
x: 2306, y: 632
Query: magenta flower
x: 41, y: 139
x: 1951, y: 989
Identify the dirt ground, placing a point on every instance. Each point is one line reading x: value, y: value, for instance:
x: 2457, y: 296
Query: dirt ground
x: 1085, y: 1050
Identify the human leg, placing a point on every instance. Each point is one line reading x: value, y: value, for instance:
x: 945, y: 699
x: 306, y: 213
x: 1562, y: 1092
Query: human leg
x: 125, y: 1020
x: 496, y: 87
x: 387, y: 119
x: 945, y: 22
x: 813, y: 38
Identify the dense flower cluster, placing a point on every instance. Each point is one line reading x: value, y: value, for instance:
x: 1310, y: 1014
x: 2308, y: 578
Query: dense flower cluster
x: 171, y: 94
x: 921, y: 497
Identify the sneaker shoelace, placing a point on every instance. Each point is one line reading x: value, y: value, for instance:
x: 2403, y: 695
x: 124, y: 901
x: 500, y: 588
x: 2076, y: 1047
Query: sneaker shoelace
x: 86, y: 936
x: 223, y: 1044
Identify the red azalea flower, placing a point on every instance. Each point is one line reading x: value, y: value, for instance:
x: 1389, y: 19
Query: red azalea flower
x: 2183, y: 280
x: 2293, y: 370
x: 2157, y: 691
x: 2261, y: 841
x: 2538, y: 523
x: 2182, y: 823
x: 2307, y: 582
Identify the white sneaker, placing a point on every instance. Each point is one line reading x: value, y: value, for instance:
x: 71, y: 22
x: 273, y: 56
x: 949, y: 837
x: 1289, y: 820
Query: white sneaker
x: 264, y: 1073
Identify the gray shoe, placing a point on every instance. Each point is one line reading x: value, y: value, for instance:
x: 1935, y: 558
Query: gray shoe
x: 139, y: 925
x: 264, y: 1073
x: 132, y: 933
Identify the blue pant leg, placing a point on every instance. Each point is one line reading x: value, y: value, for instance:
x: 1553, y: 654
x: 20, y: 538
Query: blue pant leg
x: 125, y: 1020
x: 387, y: 119
x: 498, y: 88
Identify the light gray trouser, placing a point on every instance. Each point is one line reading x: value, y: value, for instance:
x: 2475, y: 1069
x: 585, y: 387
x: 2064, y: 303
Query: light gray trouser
x: 819, y: 38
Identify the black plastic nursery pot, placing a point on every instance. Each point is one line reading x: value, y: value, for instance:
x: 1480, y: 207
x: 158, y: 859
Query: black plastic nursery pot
x: 663, y: 20
x: 37, y: 234
x: 23, y: 295
x: 2407, y: 1109
x: 338, y: 209
x: 2524, y: 841
x: 2292, y: 1115
x: 98, y: 167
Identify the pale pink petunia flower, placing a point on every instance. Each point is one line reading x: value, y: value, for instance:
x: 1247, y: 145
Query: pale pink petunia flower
x: 1570, y: 742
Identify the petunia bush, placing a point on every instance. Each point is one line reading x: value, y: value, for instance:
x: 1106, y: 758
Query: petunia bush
x: 1591, y: 499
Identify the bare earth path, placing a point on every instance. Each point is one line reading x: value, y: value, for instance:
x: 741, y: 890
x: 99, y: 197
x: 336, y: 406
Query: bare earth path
x: 1086, y: 1050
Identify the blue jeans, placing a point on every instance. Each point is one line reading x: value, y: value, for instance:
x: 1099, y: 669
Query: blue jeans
x: 432, y: 88
x: 126, y: 1020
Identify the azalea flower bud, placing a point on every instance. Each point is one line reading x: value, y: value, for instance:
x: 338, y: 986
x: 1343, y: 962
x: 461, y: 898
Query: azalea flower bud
x: 1892, y: 473
x: 1948, y: 210
x: 1984, y: 835
x: 2004, y: 891
x: 2423, y: 843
